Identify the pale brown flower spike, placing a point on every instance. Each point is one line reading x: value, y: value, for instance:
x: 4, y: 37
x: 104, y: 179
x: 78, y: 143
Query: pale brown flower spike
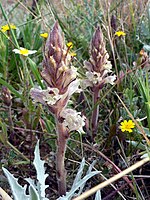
x: 98, y: 69
x: 98, y: 65
x: 57, y: 72
x: 98, y: 51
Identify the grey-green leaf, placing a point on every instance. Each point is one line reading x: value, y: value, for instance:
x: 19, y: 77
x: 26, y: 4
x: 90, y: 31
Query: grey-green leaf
x: 98, y: 195
x: 40, y: 170
x: 78, y: 182
x: 79, y: 174
x: 146, y: 47
x: 18, y: 191
x: 33, y: 193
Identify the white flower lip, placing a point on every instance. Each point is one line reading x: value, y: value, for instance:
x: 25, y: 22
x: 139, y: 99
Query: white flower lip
x: 52, y: 98
x: 110, y: 79
x: 49, y: 96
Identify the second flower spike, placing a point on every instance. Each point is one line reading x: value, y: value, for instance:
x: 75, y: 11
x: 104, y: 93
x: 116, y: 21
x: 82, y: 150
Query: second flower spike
x: 98, y: 65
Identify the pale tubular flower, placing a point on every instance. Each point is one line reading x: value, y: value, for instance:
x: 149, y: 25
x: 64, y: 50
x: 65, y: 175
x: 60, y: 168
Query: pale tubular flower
x: 73, y: 120
x: 72, y: 88
x: 49, y: 96
x: 23, y: 51
x: 94, y: 77
x: 108, y: 66
x: 110, y: 79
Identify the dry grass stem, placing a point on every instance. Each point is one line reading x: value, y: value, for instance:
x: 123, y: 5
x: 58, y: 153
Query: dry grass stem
x: 111, y: 180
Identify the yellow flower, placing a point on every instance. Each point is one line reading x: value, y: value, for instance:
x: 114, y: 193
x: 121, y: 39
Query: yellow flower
x: 127, y: 126
x: 73, y: 54
x: 44, y: 35
x: 24, y: 52
x: 70, y: 45
x: 7, y: 27
x: 120, y: 33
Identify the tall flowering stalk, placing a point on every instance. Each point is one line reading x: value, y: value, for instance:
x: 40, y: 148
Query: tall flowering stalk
x: 98, y: 73
x: 61, y: 81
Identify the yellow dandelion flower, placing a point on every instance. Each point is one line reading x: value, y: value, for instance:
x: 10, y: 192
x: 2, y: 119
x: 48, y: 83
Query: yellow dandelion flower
x: 127, y: 126
x: 120, y: 33
x: 70, y: 45
x: 44, y: 35
x: 24, y: 52
x: 7, y: 27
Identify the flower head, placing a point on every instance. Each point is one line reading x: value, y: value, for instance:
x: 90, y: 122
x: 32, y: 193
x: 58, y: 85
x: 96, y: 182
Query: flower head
x: 44, y: 35
x: 23, y: 51
x: 73, y: 54
x: 98, y: 65
x: 70, y: 45
x: 7, y: 27
x: 120, y: 33
x: 57, y: 71
x: 73, y: 120
x: 127, y: 126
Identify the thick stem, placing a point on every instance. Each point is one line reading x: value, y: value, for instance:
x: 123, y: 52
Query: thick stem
x: 95, y: 112
x: 62, y: 137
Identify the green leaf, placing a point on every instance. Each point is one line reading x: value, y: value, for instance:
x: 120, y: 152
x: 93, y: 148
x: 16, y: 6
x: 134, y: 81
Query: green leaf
x: 10, y: 88
x: 80, y: 172
x: 88, y: 172
x: 137, y: 144
x: 36, y: 72
x: 146, y: 47
x: 80, y: 182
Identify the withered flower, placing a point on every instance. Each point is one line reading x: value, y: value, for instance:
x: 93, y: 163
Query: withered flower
x: 143, y: 59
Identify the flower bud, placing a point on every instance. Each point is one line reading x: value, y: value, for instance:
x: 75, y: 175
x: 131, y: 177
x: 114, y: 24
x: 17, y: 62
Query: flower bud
x: 6, y: 96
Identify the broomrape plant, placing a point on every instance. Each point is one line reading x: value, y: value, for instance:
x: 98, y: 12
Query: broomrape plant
x: 98, y: 72
x: 61, y: 82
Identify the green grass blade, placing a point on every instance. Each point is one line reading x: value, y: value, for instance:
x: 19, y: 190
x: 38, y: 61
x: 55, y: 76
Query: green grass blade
x: 17, y: 94
x: 35, y: 72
